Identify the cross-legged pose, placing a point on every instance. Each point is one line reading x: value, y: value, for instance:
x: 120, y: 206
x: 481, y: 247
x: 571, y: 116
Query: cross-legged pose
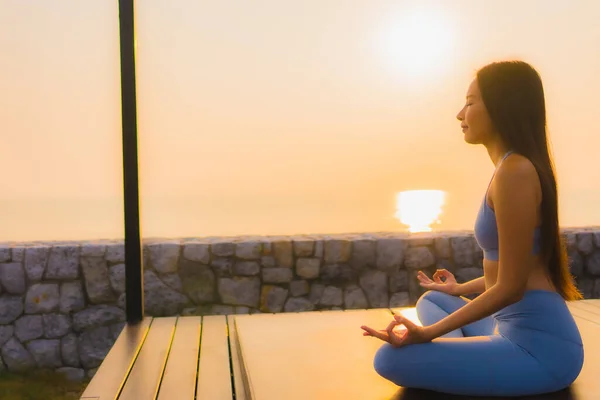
x: 517, y: 337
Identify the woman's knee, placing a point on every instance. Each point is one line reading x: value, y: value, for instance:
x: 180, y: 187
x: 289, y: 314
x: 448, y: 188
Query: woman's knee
x: 389, y: 363
x: 435, y: 297
x: 384, y: 360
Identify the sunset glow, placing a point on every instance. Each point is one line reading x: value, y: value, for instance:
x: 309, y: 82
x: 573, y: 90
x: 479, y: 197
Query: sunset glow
x: 419, y: 209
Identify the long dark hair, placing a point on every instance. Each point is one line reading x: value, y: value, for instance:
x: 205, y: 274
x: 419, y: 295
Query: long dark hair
x: 513, y: 94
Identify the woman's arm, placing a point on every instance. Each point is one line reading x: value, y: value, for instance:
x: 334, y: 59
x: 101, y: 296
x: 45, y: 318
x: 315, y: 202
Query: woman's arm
x: 515, y: 197
x: 475, y: 286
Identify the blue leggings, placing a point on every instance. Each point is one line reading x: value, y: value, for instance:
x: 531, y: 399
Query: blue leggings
x: 530, y: 347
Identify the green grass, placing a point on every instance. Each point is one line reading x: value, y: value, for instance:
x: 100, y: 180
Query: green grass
x: 39, y: 385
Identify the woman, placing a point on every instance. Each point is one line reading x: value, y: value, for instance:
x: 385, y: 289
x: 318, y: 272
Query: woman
x: 517, y: 337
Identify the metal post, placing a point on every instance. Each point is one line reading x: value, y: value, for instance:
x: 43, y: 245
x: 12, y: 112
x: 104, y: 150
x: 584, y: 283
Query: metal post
x: 134, y: 284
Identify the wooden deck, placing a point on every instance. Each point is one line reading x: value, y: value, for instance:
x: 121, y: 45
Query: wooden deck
x: 310, y: 355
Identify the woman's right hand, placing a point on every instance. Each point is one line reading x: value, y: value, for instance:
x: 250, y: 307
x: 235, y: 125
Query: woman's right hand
x: 448, y: 285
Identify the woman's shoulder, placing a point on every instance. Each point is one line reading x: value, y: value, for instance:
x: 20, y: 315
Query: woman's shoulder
x: 516, y: 172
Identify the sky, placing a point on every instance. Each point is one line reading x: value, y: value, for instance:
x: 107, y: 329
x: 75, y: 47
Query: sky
x: 277, y: 117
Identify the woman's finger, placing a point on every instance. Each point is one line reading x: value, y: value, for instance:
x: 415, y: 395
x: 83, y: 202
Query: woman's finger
x: 375, y: 333
x: 423, y: 278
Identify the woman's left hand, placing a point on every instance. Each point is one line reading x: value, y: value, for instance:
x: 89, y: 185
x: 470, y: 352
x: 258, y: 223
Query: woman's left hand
x: 413, y: 333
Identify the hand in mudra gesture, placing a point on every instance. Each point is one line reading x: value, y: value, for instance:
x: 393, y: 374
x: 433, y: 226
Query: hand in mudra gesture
x: 447, y: 285
x: 411, y: 334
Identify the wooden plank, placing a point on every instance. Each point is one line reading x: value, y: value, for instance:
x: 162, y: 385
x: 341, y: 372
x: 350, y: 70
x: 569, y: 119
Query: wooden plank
x: 214, y: 373
x: 593, y: 302
x: 580, y: 305
x: 582, y: 313
x: 236, y: 364
x: 179, y: 380
x: 112, y: 373
x: 145, y: 377
x: 312, y: 355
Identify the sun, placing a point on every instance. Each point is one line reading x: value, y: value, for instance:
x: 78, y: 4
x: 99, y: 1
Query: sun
x: 419, y: 209
x: 417, y: 42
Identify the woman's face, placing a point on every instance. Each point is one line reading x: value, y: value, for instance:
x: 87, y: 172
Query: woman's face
x: 475, y: 120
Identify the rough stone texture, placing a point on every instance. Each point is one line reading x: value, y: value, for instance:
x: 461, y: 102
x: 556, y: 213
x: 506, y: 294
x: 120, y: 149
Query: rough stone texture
x: 272, y: 299
x: 16, y: 357
x: 246, y: 268
x: 277, y: 275
x: 199, y: 252
x: 268, y: 262
x: 4, y: 253
x: 223, y: 249
x: 401, y: 299
x: 96, y: 278
x: 222, y: 266
x: 72, y: 298
x: 298, y: 304
x: 159, y: 299
x: 308, y: 268
x: 390, y: 253
x: 299, y: 288
x: 93, y: 250
x: 576, y: 263
x: 174, y: 281
x: 304, y: 248
x: 248, y: 250
x: 12, y: 278
x: 354, y: 298
x: 69, y: 350
x: 42, y: 298
x: 442, y: 247
x: 198, y: 282
x: 283, y: 253
x: 93, y: 346
x: 63, y: 263
x: 585, y: 242
x: 164, y: 256
x: 36, y: 259
x: 11, y: 307
x: 375, y: 285
x: 364, y: 254
x: 240, y: 291
x: 398, y: 281
x: 316, y: 291
x: 418, y: 258
x: 593, y: 263
x: 337, y: 251
x: 332, y: 296
x: 115, y: 253
x: 6, y: 331
x: 219, y: 309
x: 45, y: 352
x: 462, y: 249
x: 116, y: 276
x: 17, y: 253
x: 95, y: 316
x: 29, y: 327
x: 56, y: 325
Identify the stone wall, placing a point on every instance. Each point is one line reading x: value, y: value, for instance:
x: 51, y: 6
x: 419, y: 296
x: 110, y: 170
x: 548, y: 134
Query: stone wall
x: 62, y: 304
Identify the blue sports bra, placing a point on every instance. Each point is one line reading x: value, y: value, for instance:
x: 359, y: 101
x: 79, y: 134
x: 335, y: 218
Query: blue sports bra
x: 486, y: 230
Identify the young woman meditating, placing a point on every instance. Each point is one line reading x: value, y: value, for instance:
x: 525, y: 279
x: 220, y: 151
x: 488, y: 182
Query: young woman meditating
x: 517, y: 337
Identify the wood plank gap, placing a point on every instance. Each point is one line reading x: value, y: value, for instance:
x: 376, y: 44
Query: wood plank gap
x: 244, y: 366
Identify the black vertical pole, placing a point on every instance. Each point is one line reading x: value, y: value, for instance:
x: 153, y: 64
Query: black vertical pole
x: 134, y: 284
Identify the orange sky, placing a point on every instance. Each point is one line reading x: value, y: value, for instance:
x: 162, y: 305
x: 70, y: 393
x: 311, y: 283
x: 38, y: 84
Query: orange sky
x: 277, y: 117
